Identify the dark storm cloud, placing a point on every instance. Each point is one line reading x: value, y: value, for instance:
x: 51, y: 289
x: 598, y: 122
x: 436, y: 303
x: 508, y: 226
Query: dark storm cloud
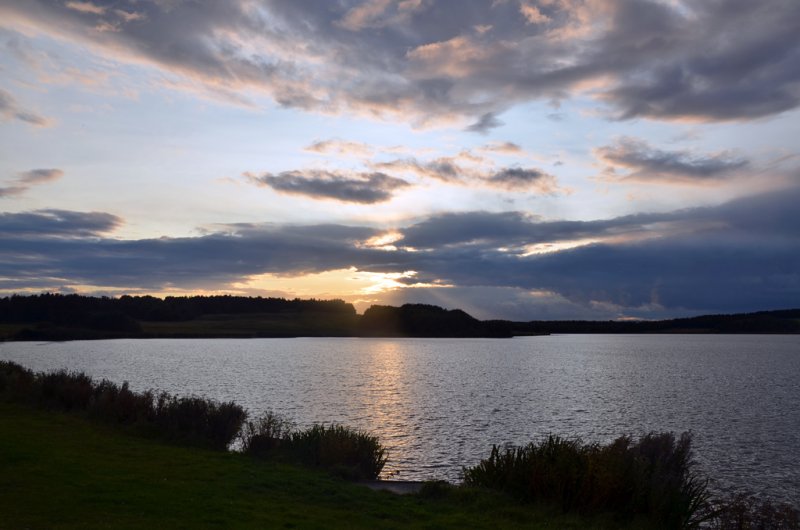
x: 426, y: 61
x: 739, y: 256
x: 734, y: 60
x: 514, y: 229
x: 641, y: 162
x: 193, y: 262
x: 10, y: 109
x: 57, y: 223
x: 743, y: 255
x: 363, y: 188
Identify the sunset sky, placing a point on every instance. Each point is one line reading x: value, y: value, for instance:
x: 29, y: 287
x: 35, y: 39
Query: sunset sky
x: 522, y: 159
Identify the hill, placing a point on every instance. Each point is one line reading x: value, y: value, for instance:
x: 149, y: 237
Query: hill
x: 422, y: 320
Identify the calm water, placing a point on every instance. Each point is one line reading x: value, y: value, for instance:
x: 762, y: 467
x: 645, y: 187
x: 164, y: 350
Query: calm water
x: 440, y: 404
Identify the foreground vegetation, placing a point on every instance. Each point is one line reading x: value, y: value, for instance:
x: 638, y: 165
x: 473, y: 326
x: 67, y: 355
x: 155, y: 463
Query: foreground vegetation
x: 60, y: 470
x: 652, y: 476
x: 67, y: 458
x: 195, y: 421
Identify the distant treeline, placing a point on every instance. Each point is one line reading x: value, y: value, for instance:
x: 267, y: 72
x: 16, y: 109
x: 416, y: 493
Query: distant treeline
x: 68, y: 317
x: 780, y: 321
x: 74, y: 309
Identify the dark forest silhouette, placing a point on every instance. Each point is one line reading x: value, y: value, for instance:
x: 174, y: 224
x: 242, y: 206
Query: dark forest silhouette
x: 72, y: 316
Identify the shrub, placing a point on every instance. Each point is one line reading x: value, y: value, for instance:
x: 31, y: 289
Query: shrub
x: 264, y: 435
x: 350, y: 453
x: 119, y: 404
x: 652, y: 477
x: 198, y: 420
x: 65, y: 390
x: 16, y: 383
x: 191, y: 419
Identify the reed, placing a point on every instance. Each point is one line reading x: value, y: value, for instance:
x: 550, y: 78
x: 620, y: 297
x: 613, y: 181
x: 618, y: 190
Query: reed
x: 653, y: 477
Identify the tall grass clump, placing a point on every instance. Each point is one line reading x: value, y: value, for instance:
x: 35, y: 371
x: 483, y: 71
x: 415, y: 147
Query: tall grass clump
x: 199, y: 420
x: 350, y: 453
x: 347, y: 452
x: 265, y: 435
x: 652, y: 477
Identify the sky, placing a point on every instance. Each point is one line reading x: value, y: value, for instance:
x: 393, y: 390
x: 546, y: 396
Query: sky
x: 518, y: 159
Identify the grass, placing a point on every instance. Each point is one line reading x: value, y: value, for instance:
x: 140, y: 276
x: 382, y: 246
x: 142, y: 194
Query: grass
x: 60, y: 470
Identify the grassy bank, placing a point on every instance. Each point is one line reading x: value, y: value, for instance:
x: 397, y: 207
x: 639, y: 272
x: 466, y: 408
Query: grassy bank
x: 60, y: 470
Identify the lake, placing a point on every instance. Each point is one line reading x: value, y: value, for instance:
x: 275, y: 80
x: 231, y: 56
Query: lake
x: 440, y: 404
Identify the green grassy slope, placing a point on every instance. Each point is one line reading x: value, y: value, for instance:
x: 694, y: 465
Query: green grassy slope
x: 61, y: 471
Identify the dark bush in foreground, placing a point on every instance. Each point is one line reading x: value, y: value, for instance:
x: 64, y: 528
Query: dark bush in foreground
x: 190, y: 419
x: 651, y: 477
x: 198, y: 421
x: 350, y: 453
x: 347, y: 452
x: 193, y: 418
x: 16, y: 383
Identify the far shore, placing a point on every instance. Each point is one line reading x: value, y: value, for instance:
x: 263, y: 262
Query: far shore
x: 55, y: 317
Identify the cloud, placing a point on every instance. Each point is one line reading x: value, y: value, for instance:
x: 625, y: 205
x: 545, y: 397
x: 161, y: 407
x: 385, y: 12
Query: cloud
x: 362, y: 188
x: 12, y: 191
x: 444, y: 169
x: 30, y: 178
x: 516, y: 178
x: 740, y: 256
x: 340, y: 147
x: 505, y: 148
x: 469, y: 169
x: 40, y: 176
x: 532, y: 13
x: 631, y: 159
x: 57, y: 223
x: 425, y: 63
x: 515, y: 230
x: 485, y: 123
x: 60, y: 246
x: 10, y: 109
x: 86, y: 7
x: 368, y: 14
